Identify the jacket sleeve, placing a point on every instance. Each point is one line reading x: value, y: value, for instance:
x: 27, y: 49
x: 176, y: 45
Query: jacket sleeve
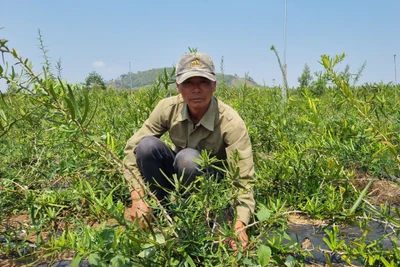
x: 238, y: 143
x: 156, y: 126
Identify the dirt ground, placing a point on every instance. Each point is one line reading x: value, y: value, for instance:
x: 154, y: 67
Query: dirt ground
x: 381, y: 191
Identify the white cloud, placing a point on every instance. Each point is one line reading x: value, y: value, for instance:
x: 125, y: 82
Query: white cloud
x: 98, y: 64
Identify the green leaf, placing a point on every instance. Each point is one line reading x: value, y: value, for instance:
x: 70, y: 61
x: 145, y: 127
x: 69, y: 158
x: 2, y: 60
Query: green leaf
x: 147, y: 252
x: 290, y: 261
x: 94, y: 260
x: 85, y: 112
x: 386, y: 263
x: 248, y: 262
x: 264, y: 255
x: 160, y: 239
x: 94, y: 138
x: 44, y: 73
x: 14, y: 53
x: 120, y: 261
x: 70, y: 108
x: 165, y: 74
x: 76, y: 260
x: 263, y: 214
x: 189, y: 260
x: 52, y: 92
x: 360, y: 198
x: 325, y: 62
x: 12, y: 77
x: 3, y: 115
x: 73, y: 101
x: 66, y: 129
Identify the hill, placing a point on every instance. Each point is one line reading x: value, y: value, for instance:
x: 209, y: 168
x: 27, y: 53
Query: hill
x: 146, y: 78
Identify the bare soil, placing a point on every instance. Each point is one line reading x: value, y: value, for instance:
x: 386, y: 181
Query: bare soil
x: 381, y: 191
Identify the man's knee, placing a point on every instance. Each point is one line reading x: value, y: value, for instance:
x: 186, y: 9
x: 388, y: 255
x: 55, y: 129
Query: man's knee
x: 184, y: 162
x: 146, y: 147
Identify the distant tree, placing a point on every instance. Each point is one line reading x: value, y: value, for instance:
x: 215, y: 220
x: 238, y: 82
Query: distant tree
x: 349, y: 77
x: 94, y: 80
x: 305, y: 79
x: 251, y: 79
x: 321, y: 84
x: 148, y: 77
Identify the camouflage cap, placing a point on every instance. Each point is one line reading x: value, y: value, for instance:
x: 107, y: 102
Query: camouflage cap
x: 195, y: 64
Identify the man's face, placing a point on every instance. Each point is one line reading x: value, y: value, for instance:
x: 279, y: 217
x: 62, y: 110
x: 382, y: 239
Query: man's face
x: 197, y: 92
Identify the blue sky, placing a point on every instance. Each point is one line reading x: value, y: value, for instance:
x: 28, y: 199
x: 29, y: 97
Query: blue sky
x: 104, y: 36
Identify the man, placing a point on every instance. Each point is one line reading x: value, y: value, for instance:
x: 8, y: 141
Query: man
x: 195, y: 120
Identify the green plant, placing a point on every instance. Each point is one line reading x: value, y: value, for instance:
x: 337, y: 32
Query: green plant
x: 94, y: 80
x: 61, y: 149
x: 305, y: 79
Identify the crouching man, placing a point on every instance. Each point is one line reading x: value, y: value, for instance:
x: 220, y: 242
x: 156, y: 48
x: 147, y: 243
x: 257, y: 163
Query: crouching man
x: 196, y: 120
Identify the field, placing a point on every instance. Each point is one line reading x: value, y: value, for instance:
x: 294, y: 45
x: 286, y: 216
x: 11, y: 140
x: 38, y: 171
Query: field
x: 326, y: 156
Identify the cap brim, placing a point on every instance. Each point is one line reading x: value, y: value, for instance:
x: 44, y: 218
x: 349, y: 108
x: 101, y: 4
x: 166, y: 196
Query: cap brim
x: 195, y: 73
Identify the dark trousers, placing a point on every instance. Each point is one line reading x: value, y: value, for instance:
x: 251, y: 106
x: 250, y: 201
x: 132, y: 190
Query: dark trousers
x: 153, y: 155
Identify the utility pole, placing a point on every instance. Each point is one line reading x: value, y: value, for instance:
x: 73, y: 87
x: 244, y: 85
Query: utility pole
x: 395, y: 79
x: 395, y: 72
x: 130, y: 73
x: 284, y: 83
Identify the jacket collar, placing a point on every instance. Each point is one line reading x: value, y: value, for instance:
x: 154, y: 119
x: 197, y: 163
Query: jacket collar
x: 208, y: 120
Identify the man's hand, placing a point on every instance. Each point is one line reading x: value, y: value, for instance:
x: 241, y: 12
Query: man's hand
x: 242, y: 237
x: 140, y: 211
